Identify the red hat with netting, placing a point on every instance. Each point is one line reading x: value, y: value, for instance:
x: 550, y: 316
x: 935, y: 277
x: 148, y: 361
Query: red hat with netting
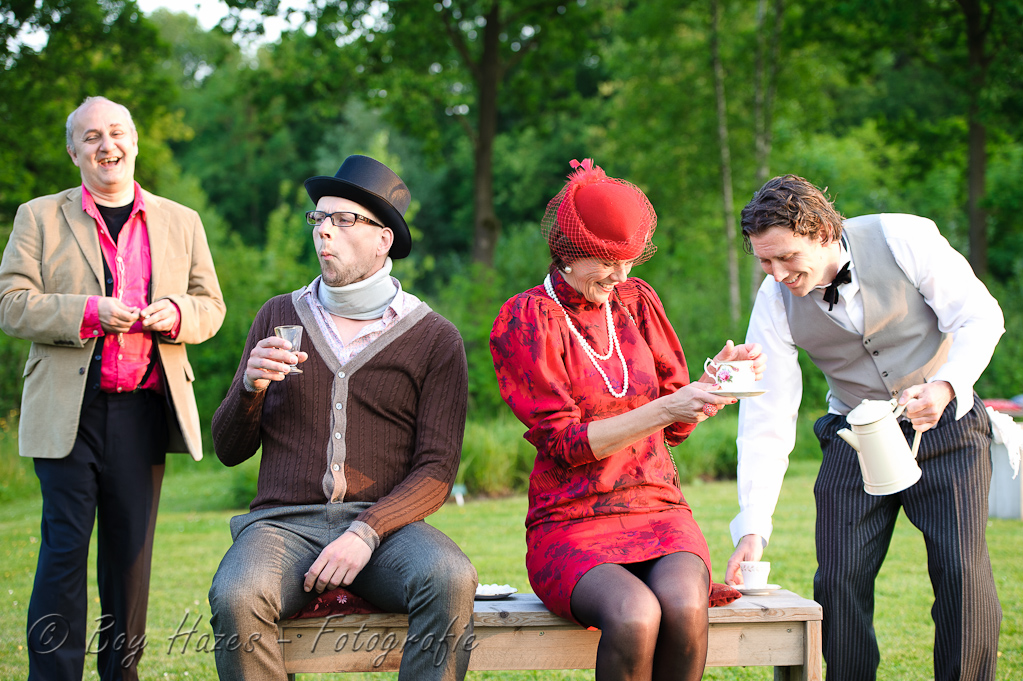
x: 596, y: 216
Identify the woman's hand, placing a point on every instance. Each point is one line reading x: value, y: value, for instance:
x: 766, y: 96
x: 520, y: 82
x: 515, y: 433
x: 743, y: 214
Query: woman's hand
x: 689, y: 404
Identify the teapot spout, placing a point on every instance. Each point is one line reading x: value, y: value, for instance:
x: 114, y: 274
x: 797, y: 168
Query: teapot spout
x: 850, y: 437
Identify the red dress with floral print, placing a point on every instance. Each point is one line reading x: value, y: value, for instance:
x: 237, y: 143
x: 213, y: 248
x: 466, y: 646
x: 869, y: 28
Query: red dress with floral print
x: 626, y: 508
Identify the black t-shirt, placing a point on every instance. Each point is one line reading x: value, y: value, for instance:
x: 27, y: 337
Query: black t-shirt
x: 115, y: 217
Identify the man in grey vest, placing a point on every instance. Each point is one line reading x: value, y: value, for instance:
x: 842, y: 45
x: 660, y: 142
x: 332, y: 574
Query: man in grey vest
x: 886, y: 308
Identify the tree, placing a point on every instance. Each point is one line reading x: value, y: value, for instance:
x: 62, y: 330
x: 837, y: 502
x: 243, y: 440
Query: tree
x: 255, y: 123
x: 91, y: 48
x: 765, y: 81
x: 933, y: 62
x: 454, y: 62
x: 727, y: 200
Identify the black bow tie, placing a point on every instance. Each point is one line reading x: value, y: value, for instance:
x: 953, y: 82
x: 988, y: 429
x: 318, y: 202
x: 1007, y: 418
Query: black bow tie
x: 831, y: 292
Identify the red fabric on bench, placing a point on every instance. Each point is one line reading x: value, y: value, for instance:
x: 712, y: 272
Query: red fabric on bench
x: 722, y: 594
x: 341, y: 601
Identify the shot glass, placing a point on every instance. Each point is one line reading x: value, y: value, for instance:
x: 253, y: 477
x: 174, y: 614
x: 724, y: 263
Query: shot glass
x: 292, y: 334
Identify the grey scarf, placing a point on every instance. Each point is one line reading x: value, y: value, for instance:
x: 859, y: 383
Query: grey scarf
x: 366, y: 299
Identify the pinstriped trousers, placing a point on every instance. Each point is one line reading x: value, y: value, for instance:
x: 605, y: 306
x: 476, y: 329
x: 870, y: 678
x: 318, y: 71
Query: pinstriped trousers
x: 949, y: 505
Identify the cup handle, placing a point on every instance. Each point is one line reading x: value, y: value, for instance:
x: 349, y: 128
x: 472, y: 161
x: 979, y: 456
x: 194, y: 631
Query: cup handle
x: 711, y: 363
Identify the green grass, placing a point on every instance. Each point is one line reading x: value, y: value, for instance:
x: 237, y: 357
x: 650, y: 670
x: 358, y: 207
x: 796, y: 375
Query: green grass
x: 192, y: 536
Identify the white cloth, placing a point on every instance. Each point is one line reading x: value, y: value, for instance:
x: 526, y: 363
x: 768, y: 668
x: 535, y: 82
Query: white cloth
x: 767, y: 426
x: 1005, y: 431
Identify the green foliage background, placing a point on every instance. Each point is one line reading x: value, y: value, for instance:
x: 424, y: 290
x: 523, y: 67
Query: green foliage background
x: 878, y: 116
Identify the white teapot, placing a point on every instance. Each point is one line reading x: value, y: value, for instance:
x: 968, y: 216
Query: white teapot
x: 887, y: 464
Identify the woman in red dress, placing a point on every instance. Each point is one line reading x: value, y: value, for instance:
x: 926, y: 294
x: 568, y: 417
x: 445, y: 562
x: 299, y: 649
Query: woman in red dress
x: 590, y: 364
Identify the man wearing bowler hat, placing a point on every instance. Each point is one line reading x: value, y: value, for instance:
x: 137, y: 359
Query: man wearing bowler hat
x: 887, y: 310
x: 357, y: 449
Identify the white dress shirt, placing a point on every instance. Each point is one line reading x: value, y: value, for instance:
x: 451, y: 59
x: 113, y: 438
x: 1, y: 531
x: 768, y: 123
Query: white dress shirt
x: 767, y: 425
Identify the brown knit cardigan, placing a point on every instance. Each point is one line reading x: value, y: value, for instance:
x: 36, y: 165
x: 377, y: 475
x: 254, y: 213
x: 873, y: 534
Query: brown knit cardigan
x: 386, y: 427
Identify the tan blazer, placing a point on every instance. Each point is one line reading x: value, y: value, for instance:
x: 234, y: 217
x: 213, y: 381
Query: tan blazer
x: 51, y: 265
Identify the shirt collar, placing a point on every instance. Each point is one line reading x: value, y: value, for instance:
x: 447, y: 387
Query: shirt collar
x: 92, y: 210
x: 843, y: 257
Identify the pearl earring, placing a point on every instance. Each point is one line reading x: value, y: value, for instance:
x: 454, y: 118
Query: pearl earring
x: 567, y: 269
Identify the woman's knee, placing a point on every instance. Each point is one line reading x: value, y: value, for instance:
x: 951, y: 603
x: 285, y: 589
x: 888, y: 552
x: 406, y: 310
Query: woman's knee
x: 632, y: 622
x: 686, y: 617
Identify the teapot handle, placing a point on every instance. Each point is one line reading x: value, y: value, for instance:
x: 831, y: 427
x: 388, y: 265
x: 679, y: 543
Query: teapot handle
x: 899, y: 409
x: 916, y: 442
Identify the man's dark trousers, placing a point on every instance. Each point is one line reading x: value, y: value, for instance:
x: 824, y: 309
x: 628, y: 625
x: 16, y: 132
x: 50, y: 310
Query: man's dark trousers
x: 949, y: 505
x: 114, y: 472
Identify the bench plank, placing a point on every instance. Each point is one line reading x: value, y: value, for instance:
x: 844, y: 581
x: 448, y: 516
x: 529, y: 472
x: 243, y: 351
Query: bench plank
x: 780, y: 630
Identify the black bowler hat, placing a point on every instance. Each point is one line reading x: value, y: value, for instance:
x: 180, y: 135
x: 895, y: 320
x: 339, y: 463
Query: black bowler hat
x: 374, y: 185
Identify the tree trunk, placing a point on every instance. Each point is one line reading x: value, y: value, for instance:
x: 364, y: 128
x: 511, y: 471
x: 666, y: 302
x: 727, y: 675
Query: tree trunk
x: 977, y: 26
x: 486, y: 226
x: 763, y: 107
x: 734, y: 305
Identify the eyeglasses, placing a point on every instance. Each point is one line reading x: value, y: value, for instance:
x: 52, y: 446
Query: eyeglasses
x: 340, y: 219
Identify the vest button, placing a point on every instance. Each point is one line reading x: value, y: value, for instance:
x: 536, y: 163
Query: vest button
x: 876, y: 353
x: 885, y: 374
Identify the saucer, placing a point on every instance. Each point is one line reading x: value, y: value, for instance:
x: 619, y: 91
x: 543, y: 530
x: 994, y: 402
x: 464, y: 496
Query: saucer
x: 756, y: 590
x: 493, y: 592
x: 739, y: 395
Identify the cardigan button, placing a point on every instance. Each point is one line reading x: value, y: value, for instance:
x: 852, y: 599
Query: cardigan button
x: 337, y: 436
x: 340, y: 374
x: 336, y: 467
x: 337, y: 405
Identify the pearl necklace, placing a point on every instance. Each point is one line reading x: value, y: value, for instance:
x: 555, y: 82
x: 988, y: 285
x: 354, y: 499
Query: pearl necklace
x: 612, y: 341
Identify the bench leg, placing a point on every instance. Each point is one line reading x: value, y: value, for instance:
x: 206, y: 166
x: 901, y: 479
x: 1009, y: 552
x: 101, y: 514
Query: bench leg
x: 788, y: 673
x: 812, y: 667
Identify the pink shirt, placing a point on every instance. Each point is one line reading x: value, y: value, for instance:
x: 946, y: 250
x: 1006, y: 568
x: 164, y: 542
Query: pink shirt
x: 126, y: 356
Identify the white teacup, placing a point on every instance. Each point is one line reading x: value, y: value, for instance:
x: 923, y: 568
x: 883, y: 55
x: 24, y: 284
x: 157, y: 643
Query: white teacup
x: 737, y: 376
x: 754, y: 573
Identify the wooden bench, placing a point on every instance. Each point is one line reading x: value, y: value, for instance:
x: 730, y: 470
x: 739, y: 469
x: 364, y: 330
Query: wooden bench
x: 780, y: 630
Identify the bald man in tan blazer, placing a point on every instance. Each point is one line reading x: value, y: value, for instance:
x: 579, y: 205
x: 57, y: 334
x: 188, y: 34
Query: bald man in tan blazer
x: 109, y: 282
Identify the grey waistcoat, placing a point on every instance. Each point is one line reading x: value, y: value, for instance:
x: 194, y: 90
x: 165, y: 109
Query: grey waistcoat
x: 901, y: 344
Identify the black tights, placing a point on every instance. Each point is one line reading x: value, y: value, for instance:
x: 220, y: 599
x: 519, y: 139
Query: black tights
x: 652, y: 617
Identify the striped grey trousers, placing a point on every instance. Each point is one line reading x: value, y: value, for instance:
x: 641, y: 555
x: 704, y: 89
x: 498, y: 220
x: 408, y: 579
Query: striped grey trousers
x: 949, y: 505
